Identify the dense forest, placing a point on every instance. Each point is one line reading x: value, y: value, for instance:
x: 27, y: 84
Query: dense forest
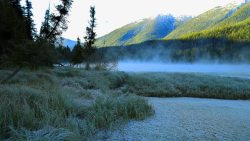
x: 208, y: 50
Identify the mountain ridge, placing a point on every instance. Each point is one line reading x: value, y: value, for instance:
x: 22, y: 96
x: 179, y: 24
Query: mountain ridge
x: 204, y: 21
x: 143, y: 30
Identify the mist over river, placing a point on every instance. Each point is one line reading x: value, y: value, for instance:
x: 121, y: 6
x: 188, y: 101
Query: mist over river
x: 234, y: 70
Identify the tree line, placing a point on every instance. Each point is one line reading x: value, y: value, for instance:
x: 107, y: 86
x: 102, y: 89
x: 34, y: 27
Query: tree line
x: 21, y: 46
x: 213, y: 50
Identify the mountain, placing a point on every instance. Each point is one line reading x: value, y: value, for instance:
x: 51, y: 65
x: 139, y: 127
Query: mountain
x: 221, y: 34
x: 66, y: 42
x: 236, y: 27
x: 204, y: 21
x: 69, y: 43
x: 169, y: 27
x: 140, y: 31
x: 242, y: 13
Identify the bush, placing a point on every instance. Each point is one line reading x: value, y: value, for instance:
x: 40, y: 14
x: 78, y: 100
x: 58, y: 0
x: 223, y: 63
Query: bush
x: 29, y: 108
x: 107, y: 110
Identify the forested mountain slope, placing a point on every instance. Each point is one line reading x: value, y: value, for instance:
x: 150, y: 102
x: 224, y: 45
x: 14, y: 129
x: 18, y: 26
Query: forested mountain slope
x: 236, y: 27
x: 140, y: 31
x: 204, y: 21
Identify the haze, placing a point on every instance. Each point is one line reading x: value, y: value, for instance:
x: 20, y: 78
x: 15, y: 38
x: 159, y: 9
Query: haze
x: 232, y: 70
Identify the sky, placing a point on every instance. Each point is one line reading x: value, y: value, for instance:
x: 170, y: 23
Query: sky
x: 112, y: 14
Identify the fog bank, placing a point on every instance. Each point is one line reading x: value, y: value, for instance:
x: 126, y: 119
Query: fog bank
x: 222, y: 69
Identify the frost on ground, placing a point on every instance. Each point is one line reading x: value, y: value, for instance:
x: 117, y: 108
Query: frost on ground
x: 190, y: 119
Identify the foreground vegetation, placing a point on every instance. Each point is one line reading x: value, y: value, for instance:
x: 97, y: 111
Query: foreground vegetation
x: 65, y: 105
x: 73, y: 104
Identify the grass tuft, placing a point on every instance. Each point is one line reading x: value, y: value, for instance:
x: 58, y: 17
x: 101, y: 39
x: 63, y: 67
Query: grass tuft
x: 106, y: 111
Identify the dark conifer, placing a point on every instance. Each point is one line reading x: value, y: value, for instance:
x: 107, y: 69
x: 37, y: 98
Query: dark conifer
x: 58, y: 20
x: 77, y: 57
x: 46, y: 27
x: 17, y: 5
x: 90, y: 38
x: 31, y: 30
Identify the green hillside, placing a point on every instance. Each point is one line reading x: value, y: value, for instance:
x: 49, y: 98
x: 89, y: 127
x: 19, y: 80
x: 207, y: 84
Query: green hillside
x: 236, y: 32
x: 112, y: 38
x: 242, y: 13
x: 137, y: 32
x: 203, y: 21
x: 236, y: 27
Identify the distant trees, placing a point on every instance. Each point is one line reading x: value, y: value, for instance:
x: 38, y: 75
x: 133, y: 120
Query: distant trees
x: 90, y: 38
x: 77, y: 57
x: 63, y: 53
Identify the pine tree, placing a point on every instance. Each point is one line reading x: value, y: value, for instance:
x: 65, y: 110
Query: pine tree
x: 46, y: 27
x: 16, y: 4
x: 90, y: 38
x: 31, y: 30
x: 58, y: 20
x: 12, y: 30
x: 77, y: 57
x: 55, y: 23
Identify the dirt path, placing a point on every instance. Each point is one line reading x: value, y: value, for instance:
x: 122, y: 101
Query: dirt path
x: 190, y: 119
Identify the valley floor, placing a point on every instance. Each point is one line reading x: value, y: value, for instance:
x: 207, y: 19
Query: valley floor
x: 190, y: 119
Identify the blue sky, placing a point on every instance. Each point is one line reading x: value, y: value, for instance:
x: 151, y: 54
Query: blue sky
x: 112, y: 14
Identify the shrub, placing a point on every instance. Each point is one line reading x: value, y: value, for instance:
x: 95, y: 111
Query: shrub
x: 107, y: 110
x: 25, y: 107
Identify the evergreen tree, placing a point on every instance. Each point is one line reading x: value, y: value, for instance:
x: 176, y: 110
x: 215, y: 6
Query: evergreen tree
x: 31, y: 30
x: 46, y: 27
x: 16, y: 4
x: 77, y: 57
x: 90, y: 38
x: 64, y: 53
x: 57, y: 21
x: 12, y: 31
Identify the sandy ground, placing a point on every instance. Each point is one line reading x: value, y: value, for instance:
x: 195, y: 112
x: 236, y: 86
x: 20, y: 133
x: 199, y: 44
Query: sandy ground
x: 190, y: 119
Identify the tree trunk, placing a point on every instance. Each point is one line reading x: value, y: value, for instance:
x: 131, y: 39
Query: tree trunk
x: 11, y: 75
